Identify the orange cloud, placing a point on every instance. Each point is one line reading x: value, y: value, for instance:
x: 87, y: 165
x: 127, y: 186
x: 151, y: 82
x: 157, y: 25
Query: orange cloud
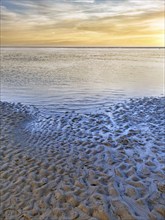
x: 80, y: 25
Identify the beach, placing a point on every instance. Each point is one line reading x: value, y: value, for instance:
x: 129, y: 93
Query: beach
x: 107, y: 165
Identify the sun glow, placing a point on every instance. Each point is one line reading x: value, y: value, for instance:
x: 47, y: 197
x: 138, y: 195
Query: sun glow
x: 82, y: 23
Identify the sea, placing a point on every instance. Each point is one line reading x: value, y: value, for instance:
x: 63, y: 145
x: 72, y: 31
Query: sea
x: 80, y: 79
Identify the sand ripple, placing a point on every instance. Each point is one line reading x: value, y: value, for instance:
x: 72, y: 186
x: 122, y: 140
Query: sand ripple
x: 104, y: 166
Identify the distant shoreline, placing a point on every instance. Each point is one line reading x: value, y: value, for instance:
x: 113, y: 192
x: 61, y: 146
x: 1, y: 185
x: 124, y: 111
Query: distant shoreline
x: 79, y: 47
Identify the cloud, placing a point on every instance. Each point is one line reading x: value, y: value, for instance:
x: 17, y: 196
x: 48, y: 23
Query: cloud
x: 83, y: 21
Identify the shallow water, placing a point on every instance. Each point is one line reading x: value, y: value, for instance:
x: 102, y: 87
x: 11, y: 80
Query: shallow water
x: 60, y: 79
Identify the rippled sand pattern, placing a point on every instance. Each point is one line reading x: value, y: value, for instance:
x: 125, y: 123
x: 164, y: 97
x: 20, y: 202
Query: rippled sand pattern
x: 83, y: 166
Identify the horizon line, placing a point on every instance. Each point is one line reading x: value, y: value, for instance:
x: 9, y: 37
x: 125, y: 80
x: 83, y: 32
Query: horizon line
x: 83, y: 47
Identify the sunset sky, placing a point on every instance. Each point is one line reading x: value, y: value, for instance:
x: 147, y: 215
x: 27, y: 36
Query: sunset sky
x: 82, y: 22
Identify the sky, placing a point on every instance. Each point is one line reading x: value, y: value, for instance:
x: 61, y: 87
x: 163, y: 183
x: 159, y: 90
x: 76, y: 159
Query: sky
x: 82, y: 23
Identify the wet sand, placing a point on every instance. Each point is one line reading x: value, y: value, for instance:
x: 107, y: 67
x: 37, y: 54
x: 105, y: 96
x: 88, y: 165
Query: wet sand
x: 106, y: 166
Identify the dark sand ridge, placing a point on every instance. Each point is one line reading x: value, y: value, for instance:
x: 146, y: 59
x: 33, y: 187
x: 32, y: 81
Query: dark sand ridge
x: 108, y: 165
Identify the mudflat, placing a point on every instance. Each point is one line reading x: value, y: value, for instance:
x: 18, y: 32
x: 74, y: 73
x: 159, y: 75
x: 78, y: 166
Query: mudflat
x: 107, y: 165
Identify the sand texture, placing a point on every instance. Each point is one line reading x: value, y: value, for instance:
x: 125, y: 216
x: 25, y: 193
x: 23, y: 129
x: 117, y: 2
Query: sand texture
x: 107, y: 166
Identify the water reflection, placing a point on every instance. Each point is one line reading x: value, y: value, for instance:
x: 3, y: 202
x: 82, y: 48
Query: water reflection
x: 56, y: 79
